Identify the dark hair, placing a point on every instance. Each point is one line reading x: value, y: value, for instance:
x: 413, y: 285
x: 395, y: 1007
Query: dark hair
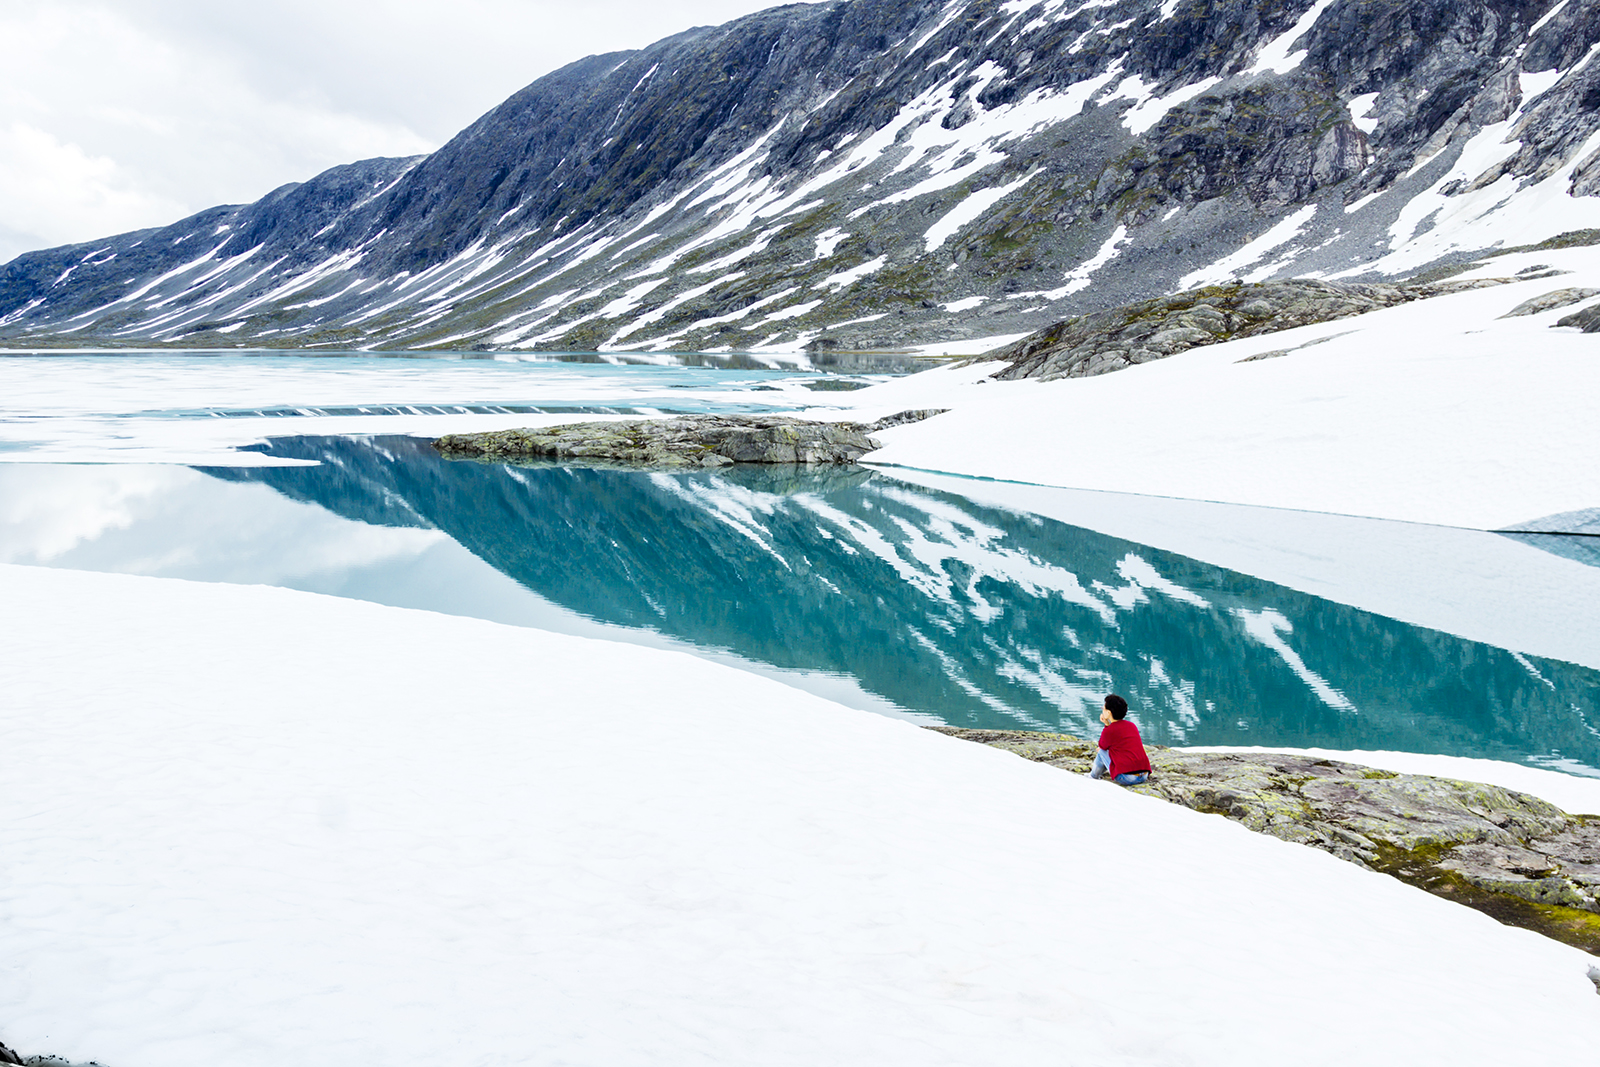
x: 1117, y: 706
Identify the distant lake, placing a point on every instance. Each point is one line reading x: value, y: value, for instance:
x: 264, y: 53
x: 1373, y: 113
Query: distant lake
x: 852, y: 583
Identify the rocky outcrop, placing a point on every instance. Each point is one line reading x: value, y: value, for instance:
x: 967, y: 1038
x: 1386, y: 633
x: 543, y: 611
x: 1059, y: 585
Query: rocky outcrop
x: 1557, y: 298
x: 1105, y: 341
x: 1515, y: 857
x: 1277, y: 146
x: 1587, y: 320
x: 688, y: 441
x: 10, y: 1056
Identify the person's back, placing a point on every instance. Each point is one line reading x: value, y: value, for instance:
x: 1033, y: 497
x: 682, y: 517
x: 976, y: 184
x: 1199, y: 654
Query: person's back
x: 1120, y: 755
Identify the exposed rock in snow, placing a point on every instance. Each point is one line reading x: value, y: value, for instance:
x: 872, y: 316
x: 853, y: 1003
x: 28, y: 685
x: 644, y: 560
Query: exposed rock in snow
x: 1587, y: 320
x: 689, y: 441
x: 1105, y: 341
x: 1556, y: 298
x: 1518, y: 858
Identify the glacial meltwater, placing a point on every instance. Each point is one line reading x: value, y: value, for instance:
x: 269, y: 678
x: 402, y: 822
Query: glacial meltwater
x: 872, y: 587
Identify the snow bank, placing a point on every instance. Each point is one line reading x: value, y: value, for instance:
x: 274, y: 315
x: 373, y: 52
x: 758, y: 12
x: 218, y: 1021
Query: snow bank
x: 251, y: 826
x: 1438, y: 412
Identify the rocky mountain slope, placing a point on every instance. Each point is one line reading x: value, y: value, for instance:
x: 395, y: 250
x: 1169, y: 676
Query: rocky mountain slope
x: 881, y: 173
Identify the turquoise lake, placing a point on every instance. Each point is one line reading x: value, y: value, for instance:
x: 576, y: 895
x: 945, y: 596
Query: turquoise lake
x: 865, y: 587
x: 857, y: 584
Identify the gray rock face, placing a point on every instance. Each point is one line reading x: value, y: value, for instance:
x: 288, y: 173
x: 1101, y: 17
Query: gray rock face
x: 1557, y: 298
x: 1518, y: 858
x: 1277, y: 145
x: 689, y: 441
x: 1105, y: 341
x: 1587, y: 320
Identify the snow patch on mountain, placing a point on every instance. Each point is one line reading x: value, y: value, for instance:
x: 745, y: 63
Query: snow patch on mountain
x: 1230, y: 266
x: 967, y: 211
x: 1035, y: 131
x: 1276, y: 56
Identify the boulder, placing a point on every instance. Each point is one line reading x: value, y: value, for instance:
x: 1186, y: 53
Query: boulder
x: 1587, y: 320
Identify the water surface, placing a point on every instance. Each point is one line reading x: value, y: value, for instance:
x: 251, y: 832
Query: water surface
x: 910, y: 600
x: 861, y: 586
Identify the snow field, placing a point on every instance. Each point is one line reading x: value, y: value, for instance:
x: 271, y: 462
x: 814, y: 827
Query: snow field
x: 251, y: 825
x: 1438, y: 411
x: 1276, y: 55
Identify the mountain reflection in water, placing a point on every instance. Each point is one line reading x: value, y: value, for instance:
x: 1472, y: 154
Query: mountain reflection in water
x: 974, y: 615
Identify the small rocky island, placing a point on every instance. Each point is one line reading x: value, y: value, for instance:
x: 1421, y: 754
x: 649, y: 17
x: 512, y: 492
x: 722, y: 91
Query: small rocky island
x: 686, y: 441
x: 1516, y: 858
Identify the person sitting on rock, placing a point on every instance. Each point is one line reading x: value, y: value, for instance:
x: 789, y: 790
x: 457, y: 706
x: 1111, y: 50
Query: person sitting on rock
x: 1121, y: 756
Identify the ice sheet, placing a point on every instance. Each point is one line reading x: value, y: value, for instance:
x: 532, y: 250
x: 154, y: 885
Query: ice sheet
x: 200, y: 408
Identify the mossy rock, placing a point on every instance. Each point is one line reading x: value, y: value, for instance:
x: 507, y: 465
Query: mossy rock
x: 1514, y: 857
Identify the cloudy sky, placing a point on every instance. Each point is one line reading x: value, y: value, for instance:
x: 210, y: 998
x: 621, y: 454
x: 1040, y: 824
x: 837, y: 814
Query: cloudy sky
x: 119, y: 114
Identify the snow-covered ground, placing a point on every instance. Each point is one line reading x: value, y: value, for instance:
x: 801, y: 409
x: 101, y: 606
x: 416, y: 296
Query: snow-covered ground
x: 253, y: 826
x: 1439, y: 411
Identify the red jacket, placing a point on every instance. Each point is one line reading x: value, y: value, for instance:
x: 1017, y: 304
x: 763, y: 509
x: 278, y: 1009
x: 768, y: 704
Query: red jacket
x: 1122, y: 744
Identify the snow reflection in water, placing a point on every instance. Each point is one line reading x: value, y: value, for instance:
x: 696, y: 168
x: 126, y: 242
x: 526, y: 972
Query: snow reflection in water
x: 905, y: 598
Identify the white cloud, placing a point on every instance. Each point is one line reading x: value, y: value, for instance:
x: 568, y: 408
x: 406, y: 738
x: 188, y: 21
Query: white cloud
x: 133, y: 115
x: 54, y: 192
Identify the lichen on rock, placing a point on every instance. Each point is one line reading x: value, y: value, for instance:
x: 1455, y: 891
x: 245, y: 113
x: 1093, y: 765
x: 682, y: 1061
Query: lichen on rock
x: 1520, y: 859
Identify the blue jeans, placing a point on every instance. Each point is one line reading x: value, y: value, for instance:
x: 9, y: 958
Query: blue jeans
x: 1102, y: 767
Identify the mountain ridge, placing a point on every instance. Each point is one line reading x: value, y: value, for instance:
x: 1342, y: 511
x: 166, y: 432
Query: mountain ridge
x: 887, y: 173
